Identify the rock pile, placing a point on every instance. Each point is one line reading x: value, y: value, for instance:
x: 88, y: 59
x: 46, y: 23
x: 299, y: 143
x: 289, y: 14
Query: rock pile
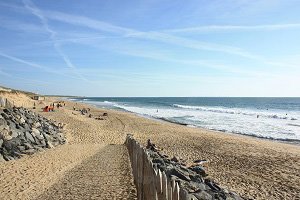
x: 192, y: 178
x: 25, y: 132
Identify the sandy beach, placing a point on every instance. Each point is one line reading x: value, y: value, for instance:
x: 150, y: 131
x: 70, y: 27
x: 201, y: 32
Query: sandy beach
x: 94, y: 163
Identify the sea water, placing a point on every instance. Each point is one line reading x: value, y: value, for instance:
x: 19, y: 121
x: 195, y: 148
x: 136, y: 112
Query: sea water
x: 272, y: 118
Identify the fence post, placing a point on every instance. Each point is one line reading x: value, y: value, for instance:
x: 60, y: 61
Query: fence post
x: 152, y: 184
x: 164, y: 186
x: 140, y: 172
x: 169, y: 189
x: 175, y: 195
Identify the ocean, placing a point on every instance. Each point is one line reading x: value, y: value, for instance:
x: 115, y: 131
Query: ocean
x: 270, y: 118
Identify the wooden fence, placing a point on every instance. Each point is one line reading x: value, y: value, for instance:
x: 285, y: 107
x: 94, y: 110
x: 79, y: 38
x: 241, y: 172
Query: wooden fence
x: 152, y: 184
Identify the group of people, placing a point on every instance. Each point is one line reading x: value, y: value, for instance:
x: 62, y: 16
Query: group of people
x: 52, y: 106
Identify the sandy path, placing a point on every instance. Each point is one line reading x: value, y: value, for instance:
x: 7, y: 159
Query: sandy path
x: 87, y: 146
x: 108, y: 168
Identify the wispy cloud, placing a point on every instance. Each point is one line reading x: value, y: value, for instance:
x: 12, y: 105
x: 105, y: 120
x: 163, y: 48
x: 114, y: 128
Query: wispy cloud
x: 155, y: 54
x: 37, y: 12
x: 154, y: 35
x: 159, y: 36
x: 231, y: 28
x: 37, y: 66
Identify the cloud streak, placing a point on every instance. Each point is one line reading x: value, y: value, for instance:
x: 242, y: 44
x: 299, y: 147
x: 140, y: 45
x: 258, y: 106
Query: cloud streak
x: 34, y: 65
x: 231, y: 28
x: 38, y: 13
x: 154, y: 35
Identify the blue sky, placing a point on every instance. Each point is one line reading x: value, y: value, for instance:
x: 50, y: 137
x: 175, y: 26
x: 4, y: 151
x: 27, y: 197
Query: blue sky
x: 151, y: 48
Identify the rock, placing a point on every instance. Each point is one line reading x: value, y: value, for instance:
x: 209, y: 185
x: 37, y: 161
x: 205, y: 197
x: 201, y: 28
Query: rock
x: 212, y: 185
x: 27, y: 146
x: 22, y: 131
x: 5, y: 134
x: 50, y: 145
x: 2, y: 122
x: 30, y: 137
x: 199, y: 170
x: 21, y: 148
x: 203, y: 196
x: 4, y: 115
x: 25, y: 126
x: 175, y: 159
x: 1, y: 158
x: 14, y: 134
x: 29, y: 121
x: 35, y: 132
x: 22, y: 120
x: 8, y: 158
x: 180, y: 174
x: 36, y: 125
x: 29, y: 151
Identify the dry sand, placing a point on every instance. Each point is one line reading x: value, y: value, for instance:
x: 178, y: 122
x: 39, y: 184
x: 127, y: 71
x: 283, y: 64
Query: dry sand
x: 88, y: 167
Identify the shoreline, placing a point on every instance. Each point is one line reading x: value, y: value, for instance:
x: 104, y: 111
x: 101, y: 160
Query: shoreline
x: 161, y: 119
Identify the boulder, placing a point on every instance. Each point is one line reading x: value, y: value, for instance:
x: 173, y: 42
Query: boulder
x: 5, y: 134
x: 22, y: 120
x: 203, y: 195
x: 36, y: 125
x: 29, y: 137
x: 22, y: 131
x: 14, y: 134
x: 35, y: 132
x: 1, y: 158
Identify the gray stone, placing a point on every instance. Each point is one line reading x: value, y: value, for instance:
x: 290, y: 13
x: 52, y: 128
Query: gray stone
x: 2, y: 122
x: 1, y: 158
x: 50, y: 145
x: 14, y: 134
x: 180, y: 174
x: 27, y: 145
x: 21, y: 120
x: 35, y: 132
x: 21, y: 148
x: 199, y: 170
x: 36, y: 125
x: 5, y: 134
x: 30, y: 137
x: 29, y: 121
x: 8, y: 158
x: 29, y: 151
x: 203, y: 196
x: 1, y: 142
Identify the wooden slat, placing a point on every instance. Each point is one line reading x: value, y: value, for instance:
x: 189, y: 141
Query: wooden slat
x: 175, y: 195
x: 169, y: 189
x: 158, y: 181
x: 164, y: 186
x: 140, y: 172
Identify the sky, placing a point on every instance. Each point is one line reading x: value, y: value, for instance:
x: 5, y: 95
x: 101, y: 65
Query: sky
x: 151, y: 47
